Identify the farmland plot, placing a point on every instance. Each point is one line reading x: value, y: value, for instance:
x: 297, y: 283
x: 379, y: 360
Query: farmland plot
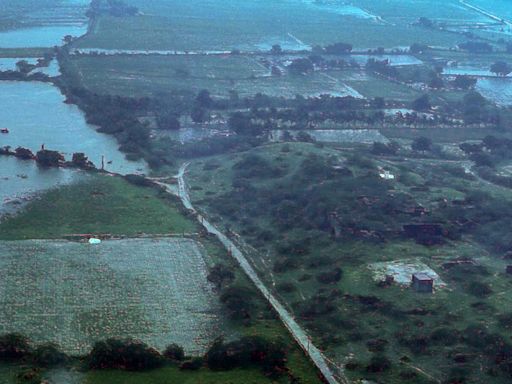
x: 145, y: 75
x: 200, y: 25
x: 74, y: 294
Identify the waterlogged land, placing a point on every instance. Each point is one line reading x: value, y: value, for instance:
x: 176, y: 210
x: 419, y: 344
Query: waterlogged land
x: 203, y: 25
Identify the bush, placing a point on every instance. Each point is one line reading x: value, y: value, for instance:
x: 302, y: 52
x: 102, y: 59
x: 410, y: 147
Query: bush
x: 239, y: 301
x: 479, y: 289
x: 379, y: 363
x: 124, y: 354
x: 330, y: 277
x: 247, y: 352
x: 192, y: 365
x: 14, y: 346
x: 220, y: 275
x: 48, y: 355
x: 174, y: 352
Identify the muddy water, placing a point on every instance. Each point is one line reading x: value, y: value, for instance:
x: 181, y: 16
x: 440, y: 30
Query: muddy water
x: 35, y: 114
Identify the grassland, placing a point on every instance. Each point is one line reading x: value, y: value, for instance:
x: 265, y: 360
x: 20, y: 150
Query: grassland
x: 397, y: 314
x: 101, y: 205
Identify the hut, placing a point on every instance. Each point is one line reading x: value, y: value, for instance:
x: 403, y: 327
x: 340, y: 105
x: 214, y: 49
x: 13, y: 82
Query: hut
x: 421, y: 282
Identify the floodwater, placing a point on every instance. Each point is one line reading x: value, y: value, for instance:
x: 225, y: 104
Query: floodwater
x: 43, y: 36
x: 21, y: 179
x: 191, y: 134
x: 36, y: 114
x: 340, y: 8
x: 9, y: 64
x: 337, y: 136
x: 497, y: 90
x: 394, y: 60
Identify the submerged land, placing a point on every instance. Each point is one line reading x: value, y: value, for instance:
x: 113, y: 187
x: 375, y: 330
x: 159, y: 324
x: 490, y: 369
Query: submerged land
x: 265, y: 178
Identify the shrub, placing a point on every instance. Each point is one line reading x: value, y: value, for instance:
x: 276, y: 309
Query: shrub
x: 239, y: 302
x: 379, y: 363
x: 48, y: 355
x: 124, y: 354
x: 138, y: 180
x: 14, y: 346
x: 193, y: 364
x: 479, y: 289
x: 330, y: 277
x: 220, y: 275
x: 174, y: 352
x: 249, y: 351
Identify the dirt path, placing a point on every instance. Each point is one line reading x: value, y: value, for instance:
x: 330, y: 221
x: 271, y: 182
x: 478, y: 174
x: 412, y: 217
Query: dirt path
x: 286, y: 317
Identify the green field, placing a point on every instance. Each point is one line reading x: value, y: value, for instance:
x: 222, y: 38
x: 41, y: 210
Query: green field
x: 209, y: 25
x: 147, y: 75
x: 102, y: 205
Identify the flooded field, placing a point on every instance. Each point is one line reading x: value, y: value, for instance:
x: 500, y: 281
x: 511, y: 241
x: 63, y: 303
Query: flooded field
x: 394, y: 60
x: 44, y: 36
x: 497, y: 90
x: 337, y: 136
x: 153, y: 290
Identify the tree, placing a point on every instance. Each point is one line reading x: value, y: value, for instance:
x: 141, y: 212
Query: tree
x: 338, y: 49
x: 81, y: 161
x: 168, y: 121
x: 48, y: 355
x: 425, y: 22
x: 220, y: 275
x: 14, y: 346
x: 474, y: 107
x: 476, y: 47
x: 199, y: 115
x: 378, y: 103
x: 464, y: 82
x: 418, y: 48
x: 174, y: 353
x: 301, y: 66
x: 276, y: 50
x: 124, y: 354
x: 436, y: 82
x: 48, y: 158
x: 501, y: 68
x: 422, y: 144
x: 204, y: 99
x: 422, y: 103
x: 24, y: 67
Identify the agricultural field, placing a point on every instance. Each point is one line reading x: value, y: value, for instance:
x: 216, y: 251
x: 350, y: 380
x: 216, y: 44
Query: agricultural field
x: 147, y: 75
x: 98, y: 205
x: 154, y: 290
x: 393, y: 321
x: 205, y: 25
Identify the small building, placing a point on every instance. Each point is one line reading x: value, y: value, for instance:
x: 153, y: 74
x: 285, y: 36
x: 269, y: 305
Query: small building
x: 421, y: 282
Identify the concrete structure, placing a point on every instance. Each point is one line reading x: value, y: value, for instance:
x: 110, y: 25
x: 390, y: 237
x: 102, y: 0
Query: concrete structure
x: 421, y: 282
